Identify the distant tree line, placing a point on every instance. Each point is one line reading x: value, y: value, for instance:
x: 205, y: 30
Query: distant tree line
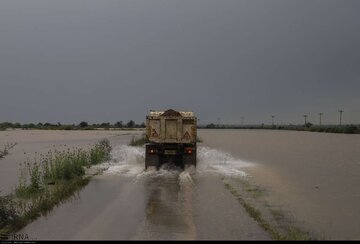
x: 83, y: 125
x: 347, y: 129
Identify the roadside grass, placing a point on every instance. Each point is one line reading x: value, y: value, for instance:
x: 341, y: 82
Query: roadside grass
x: 277, y: 231
x: 47, y: 182
x: 139, y: 142
x: 254, y: 191
x: 6, y: 149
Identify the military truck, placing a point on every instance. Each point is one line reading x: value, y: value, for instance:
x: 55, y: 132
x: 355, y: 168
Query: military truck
x: 172, y: 138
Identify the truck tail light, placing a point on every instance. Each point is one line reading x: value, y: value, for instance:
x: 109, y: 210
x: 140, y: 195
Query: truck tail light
x: 188, y: 150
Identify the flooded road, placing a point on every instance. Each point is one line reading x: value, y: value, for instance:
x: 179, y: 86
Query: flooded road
x: 125, y: 202
x: 312, y: 176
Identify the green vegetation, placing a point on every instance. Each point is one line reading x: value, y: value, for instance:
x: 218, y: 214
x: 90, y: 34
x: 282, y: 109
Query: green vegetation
x: 199, y: 140
x: 254, y: 191
x: 139, y: 141
x: 6, y: 149
x: 83, y: 125
x: 288, y: 232
x: 347, y: 129
x: 47, y: 182
x: 7, y: 211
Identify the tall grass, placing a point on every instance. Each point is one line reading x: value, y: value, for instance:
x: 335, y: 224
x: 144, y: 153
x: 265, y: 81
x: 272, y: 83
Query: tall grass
x: 139, y: 141
x: 7, y: 211
x: 48, y: 181
x: 6, y: 149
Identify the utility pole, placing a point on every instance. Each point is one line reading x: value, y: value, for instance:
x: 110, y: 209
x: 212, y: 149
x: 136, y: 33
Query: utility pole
x: 272, y: 120
x: 218, y: 122
x: 320, y: 114
x: 305, y: 116
x: 242, y: 120
x: 341, y: 111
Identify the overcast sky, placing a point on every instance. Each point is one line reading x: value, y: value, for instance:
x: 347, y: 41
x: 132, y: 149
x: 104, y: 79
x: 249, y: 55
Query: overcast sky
x: 109, y: 60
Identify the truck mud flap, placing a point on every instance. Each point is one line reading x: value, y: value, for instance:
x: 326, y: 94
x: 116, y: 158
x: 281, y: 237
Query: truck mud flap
x: 189, y: 159
x: 152, y: 157
x: 152, y: 160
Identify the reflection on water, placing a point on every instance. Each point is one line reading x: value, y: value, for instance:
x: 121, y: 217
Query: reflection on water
x: 167, y: 194
x: 169, y: 206
x: 169, y: 191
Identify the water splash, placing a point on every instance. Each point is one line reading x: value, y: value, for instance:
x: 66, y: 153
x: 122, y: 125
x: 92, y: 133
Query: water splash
x: 219, y: 162
x: 185, y: 178
x: 126, y: 161
x: 163, y: 172
x: 129, y: 161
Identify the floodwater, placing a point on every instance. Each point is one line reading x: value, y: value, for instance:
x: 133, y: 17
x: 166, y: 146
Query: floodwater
x: 128, y: 203
x: 31, y: 143
x: 313, y: 176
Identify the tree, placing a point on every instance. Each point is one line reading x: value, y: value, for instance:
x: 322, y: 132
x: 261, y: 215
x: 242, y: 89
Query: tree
x: 47, y: 124
x: 119, y: 124
x: 105, y: 125
x: 308, y: 125
x: 83, y: 124
x: 212, y: 125
x: 31, y: 125
x: 130, y: 124
x: 17, y: 125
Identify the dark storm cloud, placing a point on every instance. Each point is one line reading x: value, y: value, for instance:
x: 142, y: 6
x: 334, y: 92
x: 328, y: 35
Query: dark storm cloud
x: 98, y: 61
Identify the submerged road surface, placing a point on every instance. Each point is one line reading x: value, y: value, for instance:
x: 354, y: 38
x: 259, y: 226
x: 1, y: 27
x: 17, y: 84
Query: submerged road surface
x: 127, y: 203
x: 313, y: 177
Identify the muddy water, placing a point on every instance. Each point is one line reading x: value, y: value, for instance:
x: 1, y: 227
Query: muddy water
x: 126, y: 202
x: 31, y: 143
x: 315, y: 176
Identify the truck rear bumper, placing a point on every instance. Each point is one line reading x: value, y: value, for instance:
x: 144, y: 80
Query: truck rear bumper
x: 179, y: 154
